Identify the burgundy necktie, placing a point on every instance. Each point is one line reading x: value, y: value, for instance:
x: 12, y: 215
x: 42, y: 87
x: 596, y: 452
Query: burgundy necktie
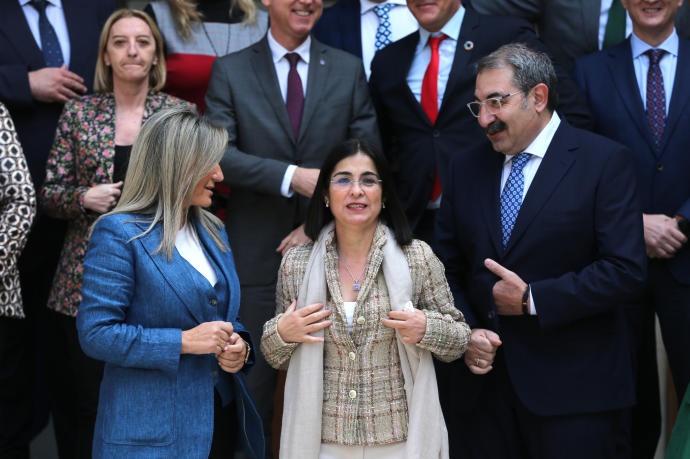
x: 294, y: 101
x: 656, y: 97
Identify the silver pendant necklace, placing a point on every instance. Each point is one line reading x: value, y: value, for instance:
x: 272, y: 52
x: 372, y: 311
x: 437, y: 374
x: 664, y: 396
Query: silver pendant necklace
x: 356, y: 285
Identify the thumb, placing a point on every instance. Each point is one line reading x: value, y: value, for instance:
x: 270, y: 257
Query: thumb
x: 118, y: 184
x: 292, y: 307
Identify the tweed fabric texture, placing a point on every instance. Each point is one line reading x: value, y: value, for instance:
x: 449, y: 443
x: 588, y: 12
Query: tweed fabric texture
x: 82, y: 156
x: 17, y: 211
x: 364, y: 399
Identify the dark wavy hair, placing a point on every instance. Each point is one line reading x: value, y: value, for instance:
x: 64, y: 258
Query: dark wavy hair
x: 393, y: 215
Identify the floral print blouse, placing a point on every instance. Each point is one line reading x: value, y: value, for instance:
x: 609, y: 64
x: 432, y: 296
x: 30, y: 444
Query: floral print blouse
x: 81, y: 157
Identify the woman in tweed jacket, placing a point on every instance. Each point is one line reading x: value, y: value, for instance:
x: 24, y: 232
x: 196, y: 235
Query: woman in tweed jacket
x: 84, y: 176
x: 365, y: 394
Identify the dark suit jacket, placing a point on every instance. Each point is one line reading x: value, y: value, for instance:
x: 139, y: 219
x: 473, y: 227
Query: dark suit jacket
x: 415, y: 147
x: 608, y: 81
x: 19, y: 54
x: 578, y: 242
x: 244, y: 97
x: 340, y: 26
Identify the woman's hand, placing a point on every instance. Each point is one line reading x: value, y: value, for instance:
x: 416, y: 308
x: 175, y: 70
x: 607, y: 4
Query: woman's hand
x: 411, y: 324
x: 481, y: 352
x: 295, y: 325
x: 207, y: 338
x: 101, y: 198
x: 233, y: 356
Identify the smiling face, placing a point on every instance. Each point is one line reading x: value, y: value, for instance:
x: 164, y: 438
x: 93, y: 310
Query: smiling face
x: 355, y: 206
x: 653, y: 20
x: 292, y: 20
x: 131, y: 51
x: 203, y: 191
x: 432, y: 15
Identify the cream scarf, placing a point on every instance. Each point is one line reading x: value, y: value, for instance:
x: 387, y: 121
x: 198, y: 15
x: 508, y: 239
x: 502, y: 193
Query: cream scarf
x: 300, y: 437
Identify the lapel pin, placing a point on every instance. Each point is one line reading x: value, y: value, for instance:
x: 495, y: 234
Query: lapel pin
x: 322, y: 61
x: 468, y: 45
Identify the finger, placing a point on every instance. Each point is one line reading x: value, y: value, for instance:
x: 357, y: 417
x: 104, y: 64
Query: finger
x: 317, y: 316
x: 283, y: 244
x: 400, y: 315
x: 292, y: 307
x: 234, y: 337
x: 118, y: 184
x: 71, y: 75
x: 310, y: 309
x: 317, y: 326
x: 236, y: 348
x: 480, y: 371
x: 227, y: 328
x: 493, y: 337
x: 397, y: 324
x: 311, y: 339
x: 496, y: 268
x: 67, y: 92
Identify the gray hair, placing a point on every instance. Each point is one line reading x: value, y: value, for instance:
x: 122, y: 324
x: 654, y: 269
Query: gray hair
x: 174, y: 150
x: 530, y: 67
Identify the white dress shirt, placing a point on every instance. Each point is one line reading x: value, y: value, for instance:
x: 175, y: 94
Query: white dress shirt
x: 188, y: 245
x: 446, y: 54
x: 402, y: 24
x: 537, y: 149
x: 56, y: 17
x: 282, y: 67
x: 604, y: 17
x: 667, y: 64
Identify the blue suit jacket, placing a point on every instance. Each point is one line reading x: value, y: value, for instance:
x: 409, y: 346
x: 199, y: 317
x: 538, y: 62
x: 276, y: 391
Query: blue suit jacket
x: 154, y: 402
x: 578, y: 242
x: 340, y: 26
x: 608, y: 81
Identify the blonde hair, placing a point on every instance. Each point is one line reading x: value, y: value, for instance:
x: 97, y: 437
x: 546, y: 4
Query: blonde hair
x: 185, y: 12
x: 173, y: 152
x: 103, y: 78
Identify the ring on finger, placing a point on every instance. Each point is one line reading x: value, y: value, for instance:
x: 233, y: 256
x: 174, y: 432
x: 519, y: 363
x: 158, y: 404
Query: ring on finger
x: 476, y: 362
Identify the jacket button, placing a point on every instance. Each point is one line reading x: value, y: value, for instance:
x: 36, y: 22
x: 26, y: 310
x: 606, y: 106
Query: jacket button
x: 436, y: 133
x: 490, y: 315
x: 360, y: 320
x: 213, y: 302
x: 214, y: 373
x: 660, y: 166
x: 353, y: 394
x: 353, y: 356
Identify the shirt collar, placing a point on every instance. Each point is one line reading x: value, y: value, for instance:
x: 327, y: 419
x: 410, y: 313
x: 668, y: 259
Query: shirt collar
x: 278, y: 51
x: 56, y: 3
x: 541, y: 143
x: 451, y: 28
x: 368, y: 5
x: 670, y: 45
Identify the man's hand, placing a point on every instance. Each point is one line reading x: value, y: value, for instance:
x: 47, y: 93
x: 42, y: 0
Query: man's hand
x: 55, y: 84
x: 481, y: 351
x: 101, y: 198
x: 304, y: 181
x: 295, y: 238
x: 410, y: 324
x: 295, y: 325
x: 661, y: 236
x: 231, y: 359
x: 508, y: 291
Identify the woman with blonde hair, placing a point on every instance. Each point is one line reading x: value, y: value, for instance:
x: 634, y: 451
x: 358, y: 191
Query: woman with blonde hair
x: 84, y: 175
x: 160, y: 306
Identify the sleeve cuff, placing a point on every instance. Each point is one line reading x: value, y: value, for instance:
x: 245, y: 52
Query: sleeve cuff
x: 285, y: 188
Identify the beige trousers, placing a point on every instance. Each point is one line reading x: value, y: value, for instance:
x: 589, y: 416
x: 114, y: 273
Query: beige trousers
x: 333, y: 451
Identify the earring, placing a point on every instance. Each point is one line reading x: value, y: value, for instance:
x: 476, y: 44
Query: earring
x: 326, y: 203
x: 383, y: 205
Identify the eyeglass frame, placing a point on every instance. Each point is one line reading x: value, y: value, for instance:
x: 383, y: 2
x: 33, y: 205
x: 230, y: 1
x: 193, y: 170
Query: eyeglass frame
x: 498, y: 99
x: 377, y: 181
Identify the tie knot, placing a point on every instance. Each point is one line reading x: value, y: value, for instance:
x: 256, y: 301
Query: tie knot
x: 383, y: 10
x: 655, y: 55
x: 434, y: 42
x: 520, y: 160
x: 39, y: 5
x: 293, y: 59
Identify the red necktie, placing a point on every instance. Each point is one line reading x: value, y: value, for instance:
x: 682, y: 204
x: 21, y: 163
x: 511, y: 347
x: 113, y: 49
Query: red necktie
x: 429, y: 97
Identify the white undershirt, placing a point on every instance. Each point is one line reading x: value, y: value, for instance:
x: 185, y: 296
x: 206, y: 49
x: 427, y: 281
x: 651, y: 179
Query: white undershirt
x: 188, y: 245
x: 349, y: 308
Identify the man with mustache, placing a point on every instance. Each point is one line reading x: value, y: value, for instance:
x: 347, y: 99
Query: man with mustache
x: 532, y: 238
x: 286, y: 101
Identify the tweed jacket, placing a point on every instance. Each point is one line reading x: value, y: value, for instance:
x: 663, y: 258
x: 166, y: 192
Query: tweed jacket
x: 17, y: 211
x: 364, y: 401
x: 82, y: 156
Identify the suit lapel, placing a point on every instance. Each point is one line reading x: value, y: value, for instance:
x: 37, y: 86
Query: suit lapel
x: 172, y: 271
x: 319, y: 67
x: 469, y: 32
x: 490, y: 197
x: 17, y: 31
x: 680, y: 93
x: 559, y: 157
x: 265, y: 74
x: 404, y: 58
x: 620, y: 66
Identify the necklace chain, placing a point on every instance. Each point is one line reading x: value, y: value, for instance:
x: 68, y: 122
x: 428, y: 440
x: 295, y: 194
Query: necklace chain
x: 356, y: 285
x: 208, y: 37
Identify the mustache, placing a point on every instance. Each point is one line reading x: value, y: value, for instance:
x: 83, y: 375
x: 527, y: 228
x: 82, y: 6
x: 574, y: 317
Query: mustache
x: 495, y: 127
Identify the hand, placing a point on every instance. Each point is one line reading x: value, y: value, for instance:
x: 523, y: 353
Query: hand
x: 508, y: 291
x: 231, y: 359
x: 661, y: 236
x: 206, y: 338
x: 481, y: 351
x: 55, y: 84
x: 295, y: 238
x: 410, y: 324
x: 295, y: 325
x: 304, y: 181
x: 101, y: 198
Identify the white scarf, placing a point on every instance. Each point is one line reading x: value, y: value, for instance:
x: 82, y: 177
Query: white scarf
x: 300, y: 437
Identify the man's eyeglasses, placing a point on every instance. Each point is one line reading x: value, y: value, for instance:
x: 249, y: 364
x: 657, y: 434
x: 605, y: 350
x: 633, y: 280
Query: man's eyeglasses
x: 493, y: 105
x: 344, y: 183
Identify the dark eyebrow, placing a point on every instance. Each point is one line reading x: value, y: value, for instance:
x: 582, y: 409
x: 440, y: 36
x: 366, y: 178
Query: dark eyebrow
x: 494, y: 94
x: 342, y: 173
